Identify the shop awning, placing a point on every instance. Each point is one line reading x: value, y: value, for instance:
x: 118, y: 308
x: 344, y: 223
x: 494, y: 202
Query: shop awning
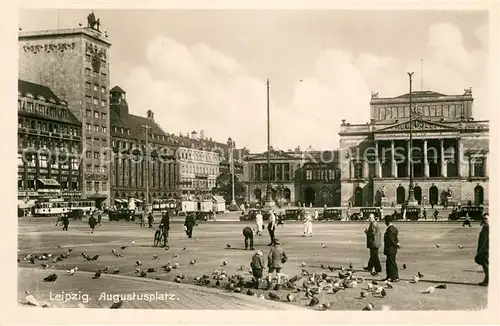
x: 25, y: 204
x: 120, y: 200
x: 219, y: 199
x: 49, y: 182
x: 137, y: 200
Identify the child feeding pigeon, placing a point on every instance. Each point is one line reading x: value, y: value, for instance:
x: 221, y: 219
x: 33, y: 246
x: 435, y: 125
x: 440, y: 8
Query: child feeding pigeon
x: 257, y: 266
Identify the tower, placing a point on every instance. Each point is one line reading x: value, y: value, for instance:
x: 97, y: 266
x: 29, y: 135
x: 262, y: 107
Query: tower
x: 74, y: 63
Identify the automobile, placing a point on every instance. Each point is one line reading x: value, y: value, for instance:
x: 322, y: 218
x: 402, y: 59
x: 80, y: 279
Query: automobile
x: 475, y: 213
x: 293, y: 214
x: 331, y: 214
x: 355, y: 217
x: 412, y: 213
x: 76, y: 214
x: 121, y: 214
x: 249, y: 215
x: 366, y: 211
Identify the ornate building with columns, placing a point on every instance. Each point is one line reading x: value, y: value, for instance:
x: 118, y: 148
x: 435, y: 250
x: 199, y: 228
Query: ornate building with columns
x: 449, y: 153
x: 308, y: 177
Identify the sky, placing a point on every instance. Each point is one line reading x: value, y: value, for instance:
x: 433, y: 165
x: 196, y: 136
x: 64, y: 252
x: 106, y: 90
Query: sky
x: 207, y: 69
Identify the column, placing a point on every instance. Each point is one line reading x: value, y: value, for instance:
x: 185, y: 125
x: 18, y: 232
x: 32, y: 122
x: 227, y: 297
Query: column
x: 261, y: 172
x: 377, y: 162
x: 366, y: 169
x: 426, y: 162
x: 459, y: 158
x: 485, y: 166
x: 351, y: 169
x: 443, y: 163
x: 408, y: 159
x: 282, y: 171
x: 394, y: 168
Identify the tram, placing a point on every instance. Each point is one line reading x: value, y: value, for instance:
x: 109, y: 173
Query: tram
x: 57, y: 206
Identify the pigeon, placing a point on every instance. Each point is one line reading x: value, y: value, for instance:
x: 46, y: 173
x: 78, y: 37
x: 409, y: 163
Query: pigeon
x: 237, y: 290
x: 95, y: 257
x: 228, y: 246
x: 97, y: 274
x: 138, y: 263
x: 241, y: 268
x: 261, y: 296
x: 151, y: 270
x: 290, y: 297
x: 224, y: 263
x: 157, y: 278
x: 350, y: 266
x: 303, y: 264
x: 420, y: 275
x: 155, y: 256
x: 185, y: 247
x: 50, y: 278
x: 176, y: 265
x: 250, y: 292
x: 430, y: 289
x: 72, y: 271
x: 70, y: 250
x: 389, y: 285
x: 116, y: 271
x: 460, y: 247
x: 442, y: 286
x: 178, y: 280
x: 404, y: 266
x: 30, y: 299
x: 217, y: 283
x: 383, y: 293
x: 32, y: 260
x: 59, y: 246
x: 416, y: 279
x: 137, y: 270
x: 314, y: 301
x: 116, y: 305
x: 323, y: 245
x: 123, y: 247
x: 274, y: 296
x: 45, y: 265
x: 192, y: 262
x: 176, y: 255
x: 133, y: 242
x: 326, y: 305
x: 437, y: 245
x: 369, y: 307
x: 143, y: 274
x: 105, y: 269
x: 363, y: 294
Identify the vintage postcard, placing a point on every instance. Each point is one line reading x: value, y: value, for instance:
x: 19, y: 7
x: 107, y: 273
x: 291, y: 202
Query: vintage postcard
x: 269, y: 161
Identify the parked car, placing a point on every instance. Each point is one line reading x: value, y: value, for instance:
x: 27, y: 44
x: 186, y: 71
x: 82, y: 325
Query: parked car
x: 330, y: 214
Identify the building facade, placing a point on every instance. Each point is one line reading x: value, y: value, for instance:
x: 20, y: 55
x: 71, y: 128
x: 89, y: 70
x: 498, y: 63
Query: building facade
x: 49, y: 145
x: 143, y: 158
x: 74, y: 63
x: 198, y: 170
x: 297, y: 177
x: 448, y: 156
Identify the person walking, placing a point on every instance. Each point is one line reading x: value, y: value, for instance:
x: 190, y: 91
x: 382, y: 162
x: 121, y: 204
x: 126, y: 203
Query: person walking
x: 189, y: 223
x: 248, y: 234
x: 99, y: 218
x: 275, y: 260
x: 257, y: 266
x: 65, y: 221
x: 92, y: 223
x: 391, y: 245
x: 308, y: 230
x: 150, y: 220
x: 467, y: 221
x: 259, y: 220
x: 483, y: 248
x: 271, y: 227
x: 373, y: 238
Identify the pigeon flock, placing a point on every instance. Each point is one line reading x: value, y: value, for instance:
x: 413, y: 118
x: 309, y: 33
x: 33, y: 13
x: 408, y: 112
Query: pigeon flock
x: 309, y: 288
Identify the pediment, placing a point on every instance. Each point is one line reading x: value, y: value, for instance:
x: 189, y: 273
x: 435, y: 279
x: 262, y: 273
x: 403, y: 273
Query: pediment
x: 418, y: 125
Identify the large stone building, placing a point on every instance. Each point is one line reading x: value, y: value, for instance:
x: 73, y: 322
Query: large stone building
x: 306, y: 177
x: 450, y: 151
x: 74, y: 63
x: 49, y: 145
x: 130, y: 174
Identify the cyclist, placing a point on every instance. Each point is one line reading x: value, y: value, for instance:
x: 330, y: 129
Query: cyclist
x: 165, y: 227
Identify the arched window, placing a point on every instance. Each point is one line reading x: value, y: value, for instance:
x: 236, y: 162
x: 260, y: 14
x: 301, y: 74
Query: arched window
x: 358, y: 170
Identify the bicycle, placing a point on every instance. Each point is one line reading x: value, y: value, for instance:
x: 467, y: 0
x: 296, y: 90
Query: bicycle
x: 160, y: 237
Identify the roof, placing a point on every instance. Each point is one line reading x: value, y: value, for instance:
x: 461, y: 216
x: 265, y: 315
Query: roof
x: 421, y: 94
x: 25, y: 87
x: 117, y: 89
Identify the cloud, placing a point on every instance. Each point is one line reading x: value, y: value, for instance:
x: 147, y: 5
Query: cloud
x: 197, y: 87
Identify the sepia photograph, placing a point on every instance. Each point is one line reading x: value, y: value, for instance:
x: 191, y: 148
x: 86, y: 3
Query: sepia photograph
x: 282, y: 160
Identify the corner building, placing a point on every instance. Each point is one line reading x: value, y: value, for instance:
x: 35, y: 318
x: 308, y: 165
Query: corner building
x: 450, y: 152
x: 74, y: 64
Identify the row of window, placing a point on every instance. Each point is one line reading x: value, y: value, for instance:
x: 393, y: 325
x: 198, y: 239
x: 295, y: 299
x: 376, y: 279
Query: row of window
x: 96, y: 169
x: 127, y: 131
x: 95, y: 74
x: 323, y: 174
x: 279, y: 172
x: 96, y: 128
x: 132, y: 174
x: 96, y: 186
x: 96, y: 155
x: 90, y: 87
x: 95, y: 101
x: 88, y: 58
x: 40, y: 108
x: 96, y: 141
x: 30, y: 184
x: 96, y: 114
x: 44, y: 161
x: 23, y: 122
x: 49, y: 144
x: 189, y: 168
x: 199, y: 156
x: 445, y: 111
x: 197, y: 183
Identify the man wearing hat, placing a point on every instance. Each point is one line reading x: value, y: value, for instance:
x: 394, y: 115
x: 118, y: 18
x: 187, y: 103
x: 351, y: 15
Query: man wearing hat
x: 391, y: 245
x: 483, y: 249
x: 275, y: 261
x: 373, y: 238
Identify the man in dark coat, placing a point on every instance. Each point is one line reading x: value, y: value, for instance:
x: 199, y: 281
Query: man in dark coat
x: 150, y: 220
x: 65, y: 222
x: 483, y: 248
x: 373, y: 239
x: 165, y: 227
x: 248, y: 234
x: 391, y: 245
x: 92, y: 223
x: 189, y: 223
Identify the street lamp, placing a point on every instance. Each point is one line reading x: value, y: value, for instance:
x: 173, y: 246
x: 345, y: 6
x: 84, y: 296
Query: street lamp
x: 146, y: 136
x: 411, y: 196
x: 231, y: 145
x: 269, y: 193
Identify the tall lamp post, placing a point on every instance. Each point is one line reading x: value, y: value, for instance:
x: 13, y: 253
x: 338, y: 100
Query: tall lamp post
x: 411, y: 196
x: 146, y: 137
x: 269, y: 193
x: 231, y: 145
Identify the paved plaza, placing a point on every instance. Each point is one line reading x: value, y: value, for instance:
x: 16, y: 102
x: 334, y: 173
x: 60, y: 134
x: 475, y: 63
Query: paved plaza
x: 452, y: 263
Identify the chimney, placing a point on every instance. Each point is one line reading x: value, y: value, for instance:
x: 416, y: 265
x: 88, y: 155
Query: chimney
x: 202, y: 134
x: 150, y: 115
x: 343, y: 122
